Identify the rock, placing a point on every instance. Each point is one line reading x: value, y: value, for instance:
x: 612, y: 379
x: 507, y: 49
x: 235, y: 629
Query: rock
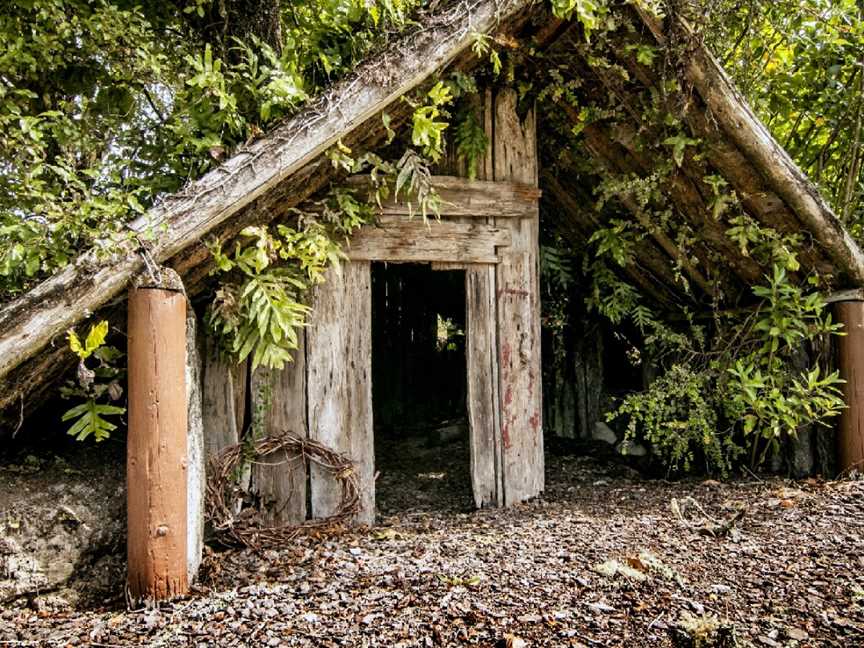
x: 58, y: 525
x: 603, y: 432
x: 796, y: 634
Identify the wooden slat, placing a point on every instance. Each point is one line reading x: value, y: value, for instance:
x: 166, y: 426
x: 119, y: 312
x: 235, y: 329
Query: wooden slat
x: 444, y: 266
x: 279, y: 480
x: 518, y: 286
x: 470, y: 198
x: 224, y: 396
x: 418, y: 242
x: 339, y: 375
x: 483, y: 408
x: 481, y: 350
x: 196, y: 483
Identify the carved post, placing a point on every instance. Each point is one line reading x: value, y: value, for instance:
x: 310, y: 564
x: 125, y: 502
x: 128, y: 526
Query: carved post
x: 850, y: 441
x: 156, y: 463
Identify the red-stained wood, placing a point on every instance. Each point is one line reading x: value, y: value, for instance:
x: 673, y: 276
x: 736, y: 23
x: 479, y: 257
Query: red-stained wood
x: 850, y: 440
x: 518, y: 309
x: 157, y: 445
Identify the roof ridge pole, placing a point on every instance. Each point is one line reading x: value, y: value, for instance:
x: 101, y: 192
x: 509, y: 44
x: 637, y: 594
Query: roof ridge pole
x: 741, y: 125
x: 157, y: 446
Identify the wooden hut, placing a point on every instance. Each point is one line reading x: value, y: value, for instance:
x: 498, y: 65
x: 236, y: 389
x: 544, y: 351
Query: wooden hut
x: 488, y: 229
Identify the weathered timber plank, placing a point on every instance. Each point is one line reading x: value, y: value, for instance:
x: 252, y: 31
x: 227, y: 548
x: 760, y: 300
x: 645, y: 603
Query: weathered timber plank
x: 278, y: 479
x: 400, y: 239
x: 339, y: 387
x: 468, y: 198
x: 195, y: 472
x: 29, y: 323
x: 482, y: 361
x: 518, y: 311
x: 444, y: 266
x: 223, y: 396
x: 481, y: 355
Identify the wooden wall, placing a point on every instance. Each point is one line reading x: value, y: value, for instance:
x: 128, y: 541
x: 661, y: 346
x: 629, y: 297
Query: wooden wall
x: 492, y: 233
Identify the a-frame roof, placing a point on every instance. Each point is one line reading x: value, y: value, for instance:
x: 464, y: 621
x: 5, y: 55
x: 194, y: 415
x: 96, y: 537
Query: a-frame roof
x: 287, y: 165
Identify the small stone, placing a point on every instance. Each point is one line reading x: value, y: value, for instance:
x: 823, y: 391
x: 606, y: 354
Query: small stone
x: 603, y: 432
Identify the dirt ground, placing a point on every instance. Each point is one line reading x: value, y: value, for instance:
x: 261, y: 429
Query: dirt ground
x: 601, y: 559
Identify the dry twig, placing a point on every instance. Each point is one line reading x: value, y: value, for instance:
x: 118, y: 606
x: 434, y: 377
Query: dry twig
x: 246, y: 528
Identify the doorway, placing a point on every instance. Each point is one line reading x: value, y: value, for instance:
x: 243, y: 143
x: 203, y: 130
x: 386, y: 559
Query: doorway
x: 419, y: 387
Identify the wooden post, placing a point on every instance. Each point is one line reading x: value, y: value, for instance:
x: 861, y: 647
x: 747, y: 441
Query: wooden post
x: 517, y: 285
x: 157, y: 444
x: 196, y: 481
x: 850, y: 442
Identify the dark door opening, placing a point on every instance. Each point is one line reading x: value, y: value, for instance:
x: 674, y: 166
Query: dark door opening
x: 419, y: 385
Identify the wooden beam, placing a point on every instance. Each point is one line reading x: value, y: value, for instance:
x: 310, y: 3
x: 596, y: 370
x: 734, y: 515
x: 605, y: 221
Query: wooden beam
x: 414, y: 241
x: 851, y: 294
x: 750, y: 136
x: 469, y: 198
x: 29, y: 323
x: 850, y: 347
x: 481, y: 340
x: 518, y: 310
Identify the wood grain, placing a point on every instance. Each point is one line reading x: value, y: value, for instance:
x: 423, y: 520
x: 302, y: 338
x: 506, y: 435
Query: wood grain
x: 464, y: 197
x: 401, y: 240
x: 156, y: 449
x: 278, y: 480
x: 339, y: 375
x: 518, y: 310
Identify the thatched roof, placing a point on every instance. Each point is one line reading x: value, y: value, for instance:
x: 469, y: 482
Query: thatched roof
x: 286, y: 166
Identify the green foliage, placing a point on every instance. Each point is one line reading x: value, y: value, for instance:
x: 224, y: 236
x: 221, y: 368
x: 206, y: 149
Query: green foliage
x: 260, y: 304
x: 259, y: 307
x: 93, y: 385
x: 482, y: 47
x: 556, y: 267
x: 749, y: 386
x: 471, y: 142
x: 107, y: 105
x: 588, y: 12
x: 428, y: 127
x: 799, y: 63
x: 90, y: 419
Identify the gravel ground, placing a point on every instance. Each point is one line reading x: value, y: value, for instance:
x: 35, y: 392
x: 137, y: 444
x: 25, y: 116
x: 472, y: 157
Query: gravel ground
x: 600, y: 560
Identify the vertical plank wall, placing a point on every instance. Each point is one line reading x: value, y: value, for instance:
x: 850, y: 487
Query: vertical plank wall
x: 224, y: 399
x: 279, y: 480
x: 339, y: 388
x: 514, y: 154
x: 481, y: 342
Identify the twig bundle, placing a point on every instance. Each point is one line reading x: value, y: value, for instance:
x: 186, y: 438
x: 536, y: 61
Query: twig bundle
x: 243, y: 526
